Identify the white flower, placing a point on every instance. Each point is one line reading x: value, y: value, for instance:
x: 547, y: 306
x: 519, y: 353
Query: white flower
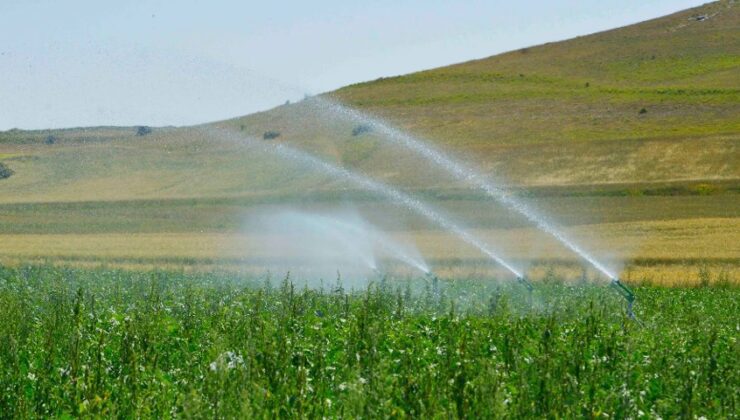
x: 31, y: 376
x: 227, y: 361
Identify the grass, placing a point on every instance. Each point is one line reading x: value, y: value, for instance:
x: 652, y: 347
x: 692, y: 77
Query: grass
x: 632, y: 226
x: 105, y: 343
x: 666, y: 252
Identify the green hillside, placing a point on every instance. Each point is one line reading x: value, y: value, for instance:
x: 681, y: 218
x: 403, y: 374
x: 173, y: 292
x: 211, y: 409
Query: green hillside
x: 655, y: 101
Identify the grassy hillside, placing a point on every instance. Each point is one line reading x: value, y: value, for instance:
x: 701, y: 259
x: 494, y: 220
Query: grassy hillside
x: 631, y: 134
x: 655, y: 101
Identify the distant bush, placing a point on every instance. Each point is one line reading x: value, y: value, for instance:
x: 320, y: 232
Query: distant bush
x: 50, y: 139
x: 5, y: 172
x: 143, y: 130
x: 361, y: 129
x: 269, y: 135
x: 705, y: 276
x: 705, y: 189
x: 643, y: 111
x: 723, y: 279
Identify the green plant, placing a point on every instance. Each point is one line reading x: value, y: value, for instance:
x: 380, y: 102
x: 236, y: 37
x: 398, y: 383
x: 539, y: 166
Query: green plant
x: 705, y: 276
x: 112, y: 343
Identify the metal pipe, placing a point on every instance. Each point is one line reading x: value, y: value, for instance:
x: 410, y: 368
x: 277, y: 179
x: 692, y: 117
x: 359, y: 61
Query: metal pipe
x: 628, y: 295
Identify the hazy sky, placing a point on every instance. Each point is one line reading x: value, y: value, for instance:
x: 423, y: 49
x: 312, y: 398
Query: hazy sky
x: 70, y: 63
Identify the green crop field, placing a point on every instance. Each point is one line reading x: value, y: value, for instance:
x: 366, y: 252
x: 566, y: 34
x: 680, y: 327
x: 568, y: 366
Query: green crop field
x: 111, y: 343
x: 137, y: 279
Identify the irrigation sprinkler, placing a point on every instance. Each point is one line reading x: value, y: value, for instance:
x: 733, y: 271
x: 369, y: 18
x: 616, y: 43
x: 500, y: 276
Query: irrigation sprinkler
x: 528, y: 285
x: 628, y: 295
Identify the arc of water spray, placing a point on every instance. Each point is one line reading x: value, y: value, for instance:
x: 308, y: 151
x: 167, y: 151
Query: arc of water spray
x: 381, y: 189
x: 318, y: 228
x: 383, y: 241
x: 464, y: 173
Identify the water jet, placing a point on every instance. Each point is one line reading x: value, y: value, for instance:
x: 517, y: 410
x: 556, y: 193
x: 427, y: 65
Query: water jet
x: 396, y: 196
x: 463, y: 173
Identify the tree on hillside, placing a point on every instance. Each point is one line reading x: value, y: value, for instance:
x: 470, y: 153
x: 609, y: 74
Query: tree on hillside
x: 143, y: 130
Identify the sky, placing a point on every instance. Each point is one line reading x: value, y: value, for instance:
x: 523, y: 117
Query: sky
x: 78, y: 63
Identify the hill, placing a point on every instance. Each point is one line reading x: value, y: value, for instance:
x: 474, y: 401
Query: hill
x: 630, y: 134
x: 655, y: 101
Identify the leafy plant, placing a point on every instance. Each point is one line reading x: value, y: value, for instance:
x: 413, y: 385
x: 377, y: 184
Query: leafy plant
x: 112, y: 343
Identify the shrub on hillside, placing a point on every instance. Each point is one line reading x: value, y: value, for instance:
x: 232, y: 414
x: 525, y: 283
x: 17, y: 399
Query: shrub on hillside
x: 143, y: 130
x: 5, y: 172
x: 269, y: 135
x: 361, y: 129
x: 50, y: 139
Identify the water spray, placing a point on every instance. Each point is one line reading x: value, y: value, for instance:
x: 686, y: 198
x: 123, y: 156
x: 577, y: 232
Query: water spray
x: 377, y: 187
x: 381, y: 240
x: 468, y: 175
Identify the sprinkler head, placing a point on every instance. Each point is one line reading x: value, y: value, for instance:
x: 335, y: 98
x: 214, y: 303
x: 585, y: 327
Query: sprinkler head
x: 526, y: 283
x: 625, y: 291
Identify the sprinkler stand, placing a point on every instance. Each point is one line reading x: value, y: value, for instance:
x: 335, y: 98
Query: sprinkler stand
x: 528, y: 285
x: 628, y: 295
